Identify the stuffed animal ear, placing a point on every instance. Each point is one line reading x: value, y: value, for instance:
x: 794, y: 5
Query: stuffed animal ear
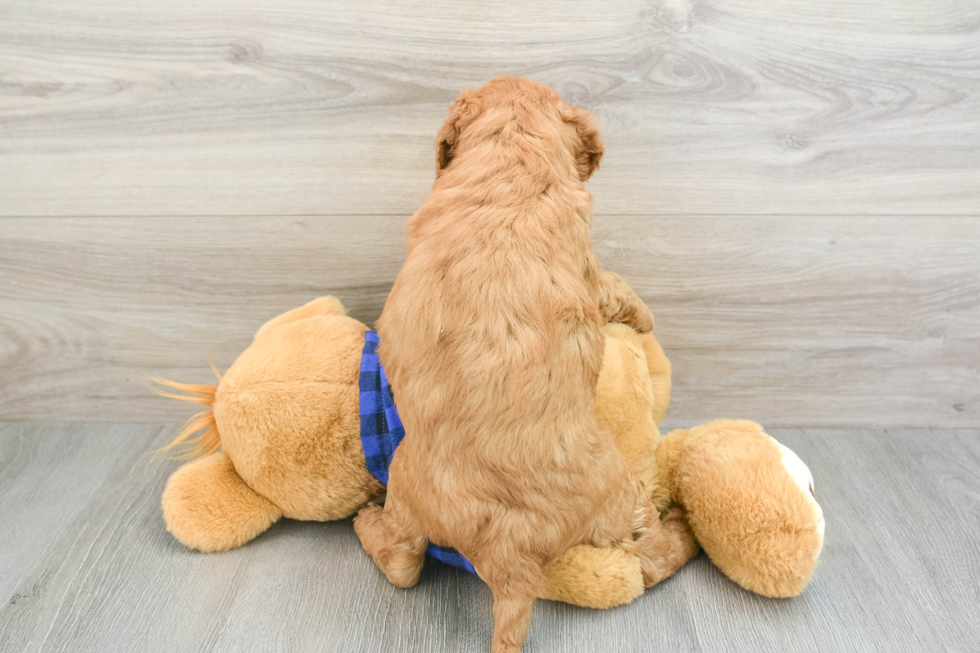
x: 589, y: 149
x: 461, y: 113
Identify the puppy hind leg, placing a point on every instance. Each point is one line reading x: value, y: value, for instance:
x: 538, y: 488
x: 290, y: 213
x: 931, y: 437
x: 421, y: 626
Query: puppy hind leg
x: 632, y: 522
x: 395, y: 541
x: 665, y: 545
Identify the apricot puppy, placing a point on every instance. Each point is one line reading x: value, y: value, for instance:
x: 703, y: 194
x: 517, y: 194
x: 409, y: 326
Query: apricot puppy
x: 492, y: 342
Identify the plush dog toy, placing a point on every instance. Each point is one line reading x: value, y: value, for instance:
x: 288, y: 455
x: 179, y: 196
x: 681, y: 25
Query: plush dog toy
x: 286, y: 418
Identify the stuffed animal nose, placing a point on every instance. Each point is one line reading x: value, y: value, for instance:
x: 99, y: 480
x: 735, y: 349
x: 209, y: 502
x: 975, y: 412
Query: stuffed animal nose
x: 804, y: 478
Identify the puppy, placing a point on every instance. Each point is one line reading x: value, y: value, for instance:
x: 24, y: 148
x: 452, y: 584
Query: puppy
x: 491, y: 338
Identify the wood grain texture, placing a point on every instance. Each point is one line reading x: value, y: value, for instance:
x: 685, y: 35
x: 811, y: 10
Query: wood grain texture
x: 313, y: 107
x: 809, y: 321
x: 87, y: 565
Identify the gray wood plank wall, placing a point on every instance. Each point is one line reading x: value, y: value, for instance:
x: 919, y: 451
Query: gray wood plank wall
x: 793, y: 187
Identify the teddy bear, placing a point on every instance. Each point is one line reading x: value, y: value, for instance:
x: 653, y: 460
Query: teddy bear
x: 280, y: 436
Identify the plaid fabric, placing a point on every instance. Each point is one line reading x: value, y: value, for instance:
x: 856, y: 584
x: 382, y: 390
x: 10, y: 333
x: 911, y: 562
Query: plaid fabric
x: 382, y: 431
x: 381, y: 428
x: 449, y: 556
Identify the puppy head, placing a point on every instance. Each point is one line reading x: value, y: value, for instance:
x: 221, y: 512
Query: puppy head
x: 526, y: 105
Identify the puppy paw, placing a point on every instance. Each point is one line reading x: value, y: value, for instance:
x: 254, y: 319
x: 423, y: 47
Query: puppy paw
x: 618, y: 303
x: 671, y: 546
x: 678, y: 528
x: 641, y: 319
x: 368, y: 526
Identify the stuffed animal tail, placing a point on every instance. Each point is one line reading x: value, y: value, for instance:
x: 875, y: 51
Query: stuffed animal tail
x: 184, y: 446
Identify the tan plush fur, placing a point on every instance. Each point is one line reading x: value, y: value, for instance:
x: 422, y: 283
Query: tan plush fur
x: 209, y: 507
x: 492, y: 342
x: 306, y: 361
x: 743, y: 505
x: 766, y: 541
x: 593, y: 577
x: 288, y: 411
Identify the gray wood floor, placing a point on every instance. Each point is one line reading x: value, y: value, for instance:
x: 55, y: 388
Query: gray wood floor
x: 86, y: 565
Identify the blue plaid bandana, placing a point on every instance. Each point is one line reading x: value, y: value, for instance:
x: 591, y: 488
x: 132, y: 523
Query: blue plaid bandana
x: 382, y: 432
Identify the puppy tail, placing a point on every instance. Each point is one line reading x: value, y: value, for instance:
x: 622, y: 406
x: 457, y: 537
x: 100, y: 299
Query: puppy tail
x: 207, y: 440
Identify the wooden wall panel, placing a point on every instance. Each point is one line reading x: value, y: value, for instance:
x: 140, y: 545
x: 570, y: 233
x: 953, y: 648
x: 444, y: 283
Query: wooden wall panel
x: 330, y: 107
x: 806, y: 321
x: 794, y: 187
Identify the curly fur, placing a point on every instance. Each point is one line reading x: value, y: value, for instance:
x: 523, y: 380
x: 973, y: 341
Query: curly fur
x: 492, y: 341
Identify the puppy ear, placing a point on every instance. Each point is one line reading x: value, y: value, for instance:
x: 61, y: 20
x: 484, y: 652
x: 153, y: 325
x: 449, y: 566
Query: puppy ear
x: 446, y: 143
x: 589, y: 150
x: 461, y: 113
